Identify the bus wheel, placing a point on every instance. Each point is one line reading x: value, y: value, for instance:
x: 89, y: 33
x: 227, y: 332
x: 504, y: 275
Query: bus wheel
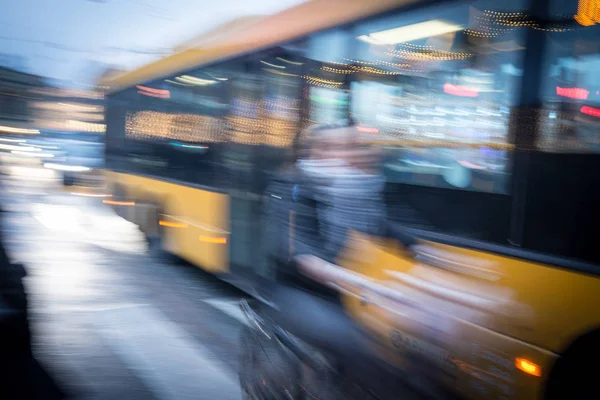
x: 573, y: 376
x: 155, y: 233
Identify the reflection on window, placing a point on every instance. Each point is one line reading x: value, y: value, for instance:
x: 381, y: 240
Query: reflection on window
x: 435, y: 89
x: 571, y: 114
x: 244, y: 115
x: 327, y: 105
x: 328, y: 77
x: 180, y: 127
x: 281, y: 101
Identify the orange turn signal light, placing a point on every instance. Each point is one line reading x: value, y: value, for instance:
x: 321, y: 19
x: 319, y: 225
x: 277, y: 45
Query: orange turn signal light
x: 119, y: 203
x: 215, y: 240
x: 528, y: 367
x: 172, y: 224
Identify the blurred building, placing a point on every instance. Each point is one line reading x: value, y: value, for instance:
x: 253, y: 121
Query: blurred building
x: 69, y: 110
x: 17, y: 94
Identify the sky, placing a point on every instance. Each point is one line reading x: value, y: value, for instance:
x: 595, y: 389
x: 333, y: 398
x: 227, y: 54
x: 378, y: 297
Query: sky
x: 74, y: 40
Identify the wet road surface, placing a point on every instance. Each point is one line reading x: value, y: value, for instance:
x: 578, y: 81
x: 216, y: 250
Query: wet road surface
x: 109, y: 321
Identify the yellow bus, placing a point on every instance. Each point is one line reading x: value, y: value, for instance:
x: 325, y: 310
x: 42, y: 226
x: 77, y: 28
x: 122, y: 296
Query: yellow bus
x: 488, y: 115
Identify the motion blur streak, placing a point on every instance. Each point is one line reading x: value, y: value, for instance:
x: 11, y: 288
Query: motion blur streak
x: 32, y: 153
x: 91, y: 194
x: 61, y: 167
x: 119, y: 203
x: 173, y: 224
x: 9, y: 129
x: 215, y: 240
x: 341, y: 200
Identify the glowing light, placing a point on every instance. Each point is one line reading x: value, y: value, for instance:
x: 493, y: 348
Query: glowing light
x: 456, y: 90
x: 470, y: 165
x: 39, y: 146
x: 91, y: 194
x: 189, y: 146
x: 367, y: 129
x: 79, y: 107
x: 195, y: 81
x: 178, y: 127
x: 10, y: 129
x: 13, y: 147
x: 337, y: 70
x: 119, y: 203
x: 214, y: 240
x: 177, y: 83
x: 588, y: 12
x: 415, y: 52
x: 276, y: 72
x: 172, y: 224
x: 160, y: 96
x: 289, y: 62
x: 572, y: 93
x: 85, y: 126
x: 153, y: 90
x: 32, y: 154
x: 272, y: 65
x: 411, y: 32
x: 62, y: 167
x: 594, y: 112
x: 322, y: 82
x: 148, y: 91
x: 528, y: 367
x: 13, y: 140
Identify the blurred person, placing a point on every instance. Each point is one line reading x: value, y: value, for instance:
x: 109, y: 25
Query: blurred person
x: 21, y: 376
x: 332, y: 187
x: 329, y: 186
x: 347, y: 189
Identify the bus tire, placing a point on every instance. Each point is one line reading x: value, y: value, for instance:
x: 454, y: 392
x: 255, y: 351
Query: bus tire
x: 156, y: 239
x: 573, y: 376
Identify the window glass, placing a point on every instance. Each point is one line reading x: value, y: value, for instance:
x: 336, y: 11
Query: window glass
x: 328, y: 90
x: 187, y: 107
x: 173, y: 126
x: 436, y: 87
x: 281, y: 106
x: 571, y: 91
x: 561, y: 215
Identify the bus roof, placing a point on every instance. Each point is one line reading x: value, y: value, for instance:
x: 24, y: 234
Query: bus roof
x: 311, y: 16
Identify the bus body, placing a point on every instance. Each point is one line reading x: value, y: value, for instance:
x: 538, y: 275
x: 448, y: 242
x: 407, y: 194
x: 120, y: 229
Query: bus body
x: 488, y: 118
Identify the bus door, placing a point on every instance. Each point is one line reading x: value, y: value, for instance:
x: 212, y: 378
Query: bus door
x: 240, y: 156
x: 264, y: 122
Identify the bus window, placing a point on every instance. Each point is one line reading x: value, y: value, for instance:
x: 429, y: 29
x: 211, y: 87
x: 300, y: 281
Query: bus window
x: 172, y: 125
x: 562, y: 217
x: 571, y: 90
x: 328, y: 90
x: 281, y: 112
x: 197, y: 125
x: 434, y: 88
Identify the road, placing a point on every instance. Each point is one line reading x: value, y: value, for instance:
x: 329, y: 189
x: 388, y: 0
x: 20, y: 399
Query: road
x: 109, y: 321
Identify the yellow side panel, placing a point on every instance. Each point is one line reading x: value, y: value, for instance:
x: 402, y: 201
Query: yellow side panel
x: 473, y: 314
x: 542, y: 305
x: 195, y: 221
